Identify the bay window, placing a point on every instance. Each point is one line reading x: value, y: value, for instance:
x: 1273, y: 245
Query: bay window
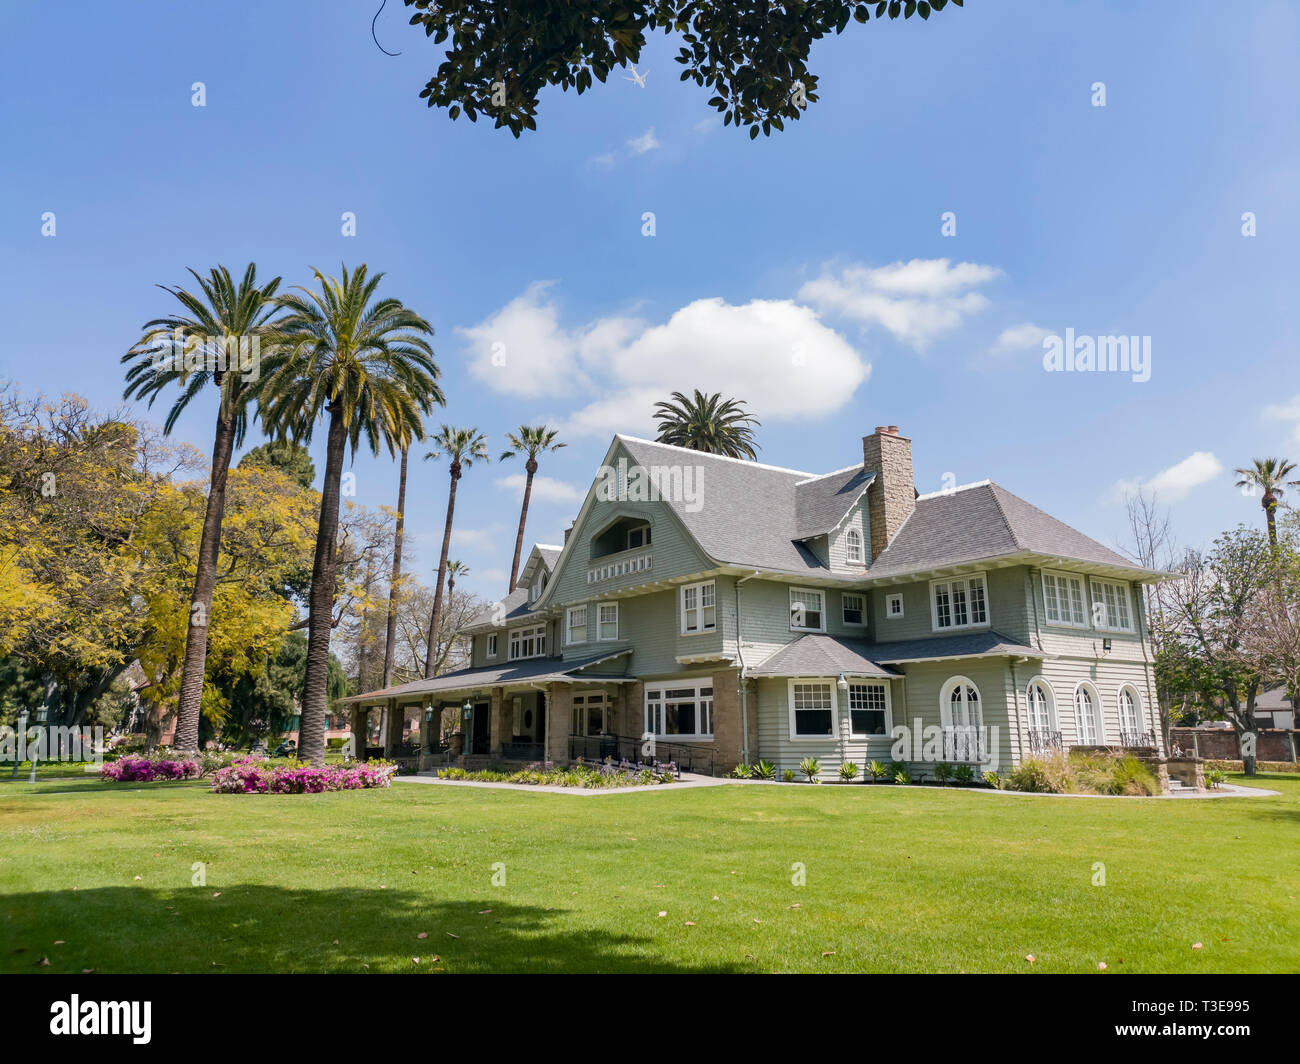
x: 681, y: 710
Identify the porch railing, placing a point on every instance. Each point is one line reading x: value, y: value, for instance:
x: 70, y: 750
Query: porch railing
x: 523, y: 751
x: 964, y: 743
x: 1041, y: 741
x: 686, y: 756
x: 1138, y: 739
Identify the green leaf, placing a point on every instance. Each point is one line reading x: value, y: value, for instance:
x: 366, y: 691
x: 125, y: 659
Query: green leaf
x: 753, y: 132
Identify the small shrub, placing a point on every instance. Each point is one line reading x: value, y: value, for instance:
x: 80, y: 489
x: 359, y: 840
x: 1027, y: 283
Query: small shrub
x: 765, y: 770
x: 742, y: 772
x: 788, y: 775
x: 1130, y: 776
x: 902, y: 776
x: 848, y: 770
x: 895, y: 767
x: 993, y: 780
x: 811, y: 768
x: 1030, y: 775
x: 964, y: 775
x: 877, y: 770
x: 942, y: 772
x: 1215, y: 778
x: 131, y: 769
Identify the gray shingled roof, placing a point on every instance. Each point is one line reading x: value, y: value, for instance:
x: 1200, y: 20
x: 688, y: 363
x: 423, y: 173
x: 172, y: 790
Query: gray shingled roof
x: 530, y: 670
x: 821, y: 655
x: 748, y: 510
x: 979, y: 522
x: 514, y: 605
x: 825, y: 655
x: 821, y: 503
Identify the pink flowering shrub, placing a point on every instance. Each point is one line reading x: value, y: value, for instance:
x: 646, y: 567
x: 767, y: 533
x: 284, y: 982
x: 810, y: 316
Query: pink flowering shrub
x: 145, y: 770
x: 250, y: 775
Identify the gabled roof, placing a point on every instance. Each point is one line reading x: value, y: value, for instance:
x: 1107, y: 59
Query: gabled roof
x: 825, y: 655
x: 821, y: 503
x: 515, y: 673
x: 979, y: 522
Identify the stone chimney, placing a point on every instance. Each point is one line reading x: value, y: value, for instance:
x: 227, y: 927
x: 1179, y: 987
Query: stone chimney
x: 893, y: 496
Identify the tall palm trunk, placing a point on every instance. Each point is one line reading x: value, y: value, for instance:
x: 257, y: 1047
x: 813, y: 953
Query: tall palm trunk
x: 431, y: 654
x: 531, y: 467
x: 205, y: 580
x: 320, y: 616
x: 1269, y: 502
x: 390, y: 638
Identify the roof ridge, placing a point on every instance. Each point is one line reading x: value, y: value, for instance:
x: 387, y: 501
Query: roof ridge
x: 1015, y: 537
x: 834, y: 472
x: 953, y: 491
x: 717, y: 457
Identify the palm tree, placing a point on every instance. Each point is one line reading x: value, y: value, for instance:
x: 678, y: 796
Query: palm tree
x: 532, y: 442
x: 365, y: 365
x: 464, y: 447
x: 1270, y: 475
x: 227, y: 322
x: 395, y: 581
x: 707, y: 423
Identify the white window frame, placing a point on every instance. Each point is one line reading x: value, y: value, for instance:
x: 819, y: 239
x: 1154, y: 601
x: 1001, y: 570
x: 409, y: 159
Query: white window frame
x: 853, y: 547
x: 890, y: 599
x: 1063, y: 620
x: 889, y: 709
x: 819, y: 681
x: 588, y: 700
x: 705, y: 704
x: 821, y: 609
x: 1099, y: 710
x: 535, y: 632
x: 1137, y: 707
x: 492, y: 645
x: 965, y: 582
x: 569, y: 625
x: 644, y: 531
x: 1122, y: 588
x: 699, y: 607
x: 601, y: 607
x: 861, y: 596
x: 1050, y: 699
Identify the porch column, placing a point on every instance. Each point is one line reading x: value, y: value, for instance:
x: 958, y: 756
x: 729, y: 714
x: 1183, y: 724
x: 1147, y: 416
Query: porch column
x: 499, y: 730
x: 360, y: 715
x: 559, y: 721
x: 393, y: 732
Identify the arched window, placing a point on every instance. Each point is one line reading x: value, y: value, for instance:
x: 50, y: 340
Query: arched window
x: 853, y: 546
x: 1087, y: 710
x: 963, y: 721
x: 1130, y: 712
x: 1042, y: 705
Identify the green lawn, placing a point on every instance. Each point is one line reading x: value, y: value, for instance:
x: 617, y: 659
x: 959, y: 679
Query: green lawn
x: 897, y: 879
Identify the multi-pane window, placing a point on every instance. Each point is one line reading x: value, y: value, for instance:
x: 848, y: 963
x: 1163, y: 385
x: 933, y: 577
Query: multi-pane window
x: 1040, y: 714
x: 1088, y: 712
x: 812, y: 710
x: 1110, y: 605
x: 589, y: 713
x: 853, y: 547
x: 607, y: 621
x: 528, y: 642
x: 959, y: 603
x: 868, y: 709
x: 683, y: 711
x: 1063, y: 599
x: 577, y: 625
x: 1130, y: 713
x: 492, y: 645
x: 807, y: 610
x: 894, y: 606
x: 854, y: 608
x: 638, y: 537
x: 699, y: 608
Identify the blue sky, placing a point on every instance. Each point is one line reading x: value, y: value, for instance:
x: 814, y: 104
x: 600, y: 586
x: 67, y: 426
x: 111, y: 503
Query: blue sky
x: 806, y: 274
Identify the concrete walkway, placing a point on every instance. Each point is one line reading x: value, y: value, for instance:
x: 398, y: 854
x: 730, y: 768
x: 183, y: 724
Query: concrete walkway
x: 688, y: 780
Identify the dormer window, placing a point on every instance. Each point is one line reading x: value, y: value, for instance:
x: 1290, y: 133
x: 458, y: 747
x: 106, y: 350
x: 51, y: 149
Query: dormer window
x: 539, y: 585
x: 853, y: 547
x: 623, y: 534
x: 638, y: 537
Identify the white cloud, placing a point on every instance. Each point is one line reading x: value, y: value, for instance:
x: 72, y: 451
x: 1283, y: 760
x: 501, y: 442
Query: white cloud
x: 462, y: 537
x: 647, y: 141
x: 1288, y: 411
x: 1176, y: 482
x: 776, y: 355
x: 1020, y: 338
x: 916, y: 301
x: 545, y: 489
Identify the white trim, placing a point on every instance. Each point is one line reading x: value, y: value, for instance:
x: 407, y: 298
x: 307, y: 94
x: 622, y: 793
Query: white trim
x: 945, y: 704
x: 862, y: 596
x: 569, y: 641
x: 1100, y: 717
x: 719, y: 457
x: 1137, y: 706
x: 965, y: 579
x: 889, y: 614
x: 852, y: 539
x: 1053, y: 718
x: 600, y: 607
x: 491, y: 645
x: 829, y: 682
x: 889, y: 709
x: 696, y: 684
x: 832, y: 473
x: 537, y: 632
x: 1059, y: 575
x: 1125, y: 588
x: 699, y: 608
x: 953, y: 491
x: 821, y: 610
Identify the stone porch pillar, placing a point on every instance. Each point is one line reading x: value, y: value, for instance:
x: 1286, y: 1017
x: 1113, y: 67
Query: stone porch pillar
x: 499, y: 727
x: 559, y: 721
x: 392, y: 737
